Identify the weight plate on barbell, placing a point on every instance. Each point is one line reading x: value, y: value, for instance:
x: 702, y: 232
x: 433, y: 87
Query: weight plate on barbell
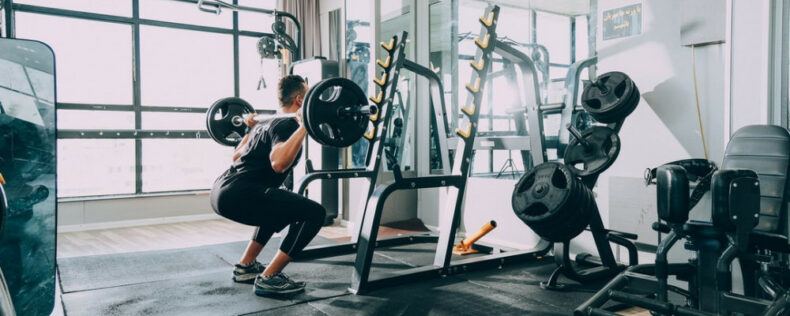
x: 612, y: 97
x: 305, y: 120
x: 225, y: 120
x: 322, y: 110
x: 601, y: 152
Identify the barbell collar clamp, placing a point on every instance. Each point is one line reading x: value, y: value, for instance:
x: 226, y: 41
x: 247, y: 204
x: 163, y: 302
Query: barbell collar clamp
x: 362, y: 110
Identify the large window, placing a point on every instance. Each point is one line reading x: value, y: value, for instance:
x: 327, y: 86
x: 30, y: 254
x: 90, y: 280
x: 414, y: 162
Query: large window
x: 134, y: 79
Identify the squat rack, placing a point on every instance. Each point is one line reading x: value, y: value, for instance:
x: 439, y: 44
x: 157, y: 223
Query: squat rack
x: 460, y: 168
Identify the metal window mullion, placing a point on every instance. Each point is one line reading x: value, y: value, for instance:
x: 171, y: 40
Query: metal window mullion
x: 785, y: 97
x: 573, y: 39
x: 10, y: 23
x: 533, y: 26
x: 137, y: 98
x: 236, y: 62
x: 135, y: 19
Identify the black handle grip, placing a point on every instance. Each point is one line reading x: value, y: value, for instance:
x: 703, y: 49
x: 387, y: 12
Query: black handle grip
x: 661, y: 228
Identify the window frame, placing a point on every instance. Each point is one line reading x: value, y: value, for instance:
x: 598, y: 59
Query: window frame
x: 138, y: 134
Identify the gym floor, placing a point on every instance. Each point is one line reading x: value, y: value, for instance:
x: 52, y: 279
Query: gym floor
x: 134, y: 270
x: 184, y: 268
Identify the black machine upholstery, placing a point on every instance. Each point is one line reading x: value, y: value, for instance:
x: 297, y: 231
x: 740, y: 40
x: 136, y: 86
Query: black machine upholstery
x: 673, y: 194
x: 765, y: 149
x: 744, y: 212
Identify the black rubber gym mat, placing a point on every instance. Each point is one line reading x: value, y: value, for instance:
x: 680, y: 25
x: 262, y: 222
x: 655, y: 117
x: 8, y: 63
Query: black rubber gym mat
x: 209, y: 291
x: 510, y: 291
x: 524, y: 282
x: 102, y: 271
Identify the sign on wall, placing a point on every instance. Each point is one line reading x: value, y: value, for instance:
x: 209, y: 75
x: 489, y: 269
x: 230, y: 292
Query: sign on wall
x: 622, y: 22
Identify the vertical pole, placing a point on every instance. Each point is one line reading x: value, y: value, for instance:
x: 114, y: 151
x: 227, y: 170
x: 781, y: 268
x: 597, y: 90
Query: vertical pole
x: 573, y: 39
x: 427, y: 199
x: 592, y: 37
x: 137, y: 98
x: 10, y: 22
x: 236, y: 67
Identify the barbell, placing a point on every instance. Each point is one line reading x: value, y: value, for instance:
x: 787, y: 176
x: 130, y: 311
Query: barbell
x: 335, y: 113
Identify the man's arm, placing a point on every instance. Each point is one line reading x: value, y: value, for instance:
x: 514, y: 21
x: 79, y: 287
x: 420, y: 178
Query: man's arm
x: 241, y: 147
x: 284, y: 153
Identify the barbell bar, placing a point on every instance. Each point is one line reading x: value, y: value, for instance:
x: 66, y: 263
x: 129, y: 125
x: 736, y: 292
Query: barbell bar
x: 335, y: 113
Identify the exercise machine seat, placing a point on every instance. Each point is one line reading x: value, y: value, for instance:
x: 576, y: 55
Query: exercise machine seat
x: 765, y: 149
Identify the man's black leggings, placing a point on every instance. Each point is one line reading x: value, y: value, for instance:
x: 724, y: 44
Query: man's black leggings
x: 270, y: 209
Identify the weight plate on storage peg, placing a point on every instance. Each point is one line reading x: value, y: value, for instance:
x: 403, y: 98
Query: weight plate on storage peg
x: 323, y: 110
x: 225, y: 120
x: 612, y: 97
x: 542, y: 192
x: 597, y: 152
x: 553, y: 202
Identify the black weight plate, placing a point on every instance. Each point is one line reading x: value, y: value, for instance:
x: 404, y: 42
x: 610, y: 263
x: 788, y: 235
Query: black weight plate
x: 604, y: 149
x: 220, y: 120
x: 542, y: 192
x: 568, y: 212
x: 617, y: 93
x: 625, y: 110
x: 305, y: 120
x: 321, y: 110
x: 267, y: 49
x: 581, y: 219
x: 572, y: 220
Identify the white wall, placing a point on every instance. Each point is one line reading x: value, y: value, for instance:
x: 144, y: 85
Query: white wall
x: 99, y: 213
x: 750, y: 60
x: 664, y: 126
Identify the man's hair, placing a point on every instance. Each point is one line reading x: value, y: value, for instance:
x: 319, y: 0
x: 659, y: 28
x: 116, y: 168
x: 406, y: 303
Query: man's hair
x: 289, y: 88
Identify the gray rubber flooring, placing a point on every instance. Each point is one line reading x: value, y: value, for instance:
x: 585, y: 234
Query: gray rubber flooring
x: 197, y: 281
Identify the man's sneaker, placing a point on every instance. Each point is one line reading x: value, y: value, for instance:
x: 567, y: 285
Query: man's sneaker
x: 276, y: 285
x: 247, y: 274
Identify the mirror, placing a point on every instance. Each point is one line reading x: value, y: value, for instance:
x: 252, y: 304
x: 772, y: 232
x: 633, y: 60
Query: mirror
x: 358, y: 39
x: 27, y: 163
